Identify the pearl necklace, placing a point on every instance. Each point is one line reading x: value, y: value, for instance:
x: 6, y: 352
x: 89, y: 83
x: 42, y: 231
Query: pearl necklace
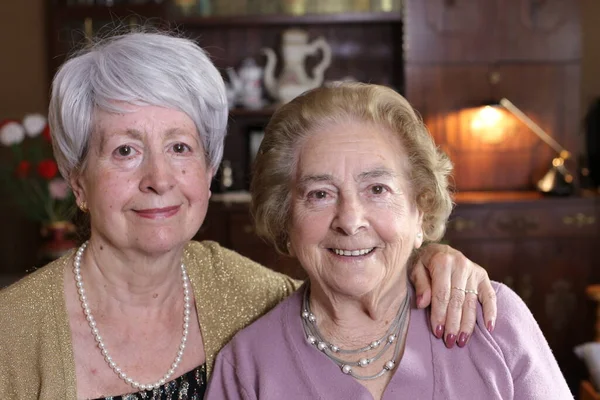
x: 107, y: 357
x: 314, y: 337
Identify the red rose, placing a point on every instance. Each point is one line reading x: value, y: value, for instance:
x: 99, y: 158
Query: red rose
x: 23, y: 169
x: 46, y: 133
x: 47, y: 169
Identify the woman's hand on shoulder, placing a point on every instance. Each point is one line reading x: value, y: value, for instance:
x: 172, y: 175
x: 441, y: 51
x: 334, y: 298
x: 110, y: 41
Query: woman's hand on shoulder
x: 452, y: 284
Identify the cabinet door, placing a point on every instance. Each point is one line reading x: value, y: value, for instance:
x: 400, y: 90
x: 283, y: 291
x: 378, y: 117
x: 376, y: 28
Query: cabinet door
x: 558, y: 271
x: 534, y: 30
x: 449, y: 30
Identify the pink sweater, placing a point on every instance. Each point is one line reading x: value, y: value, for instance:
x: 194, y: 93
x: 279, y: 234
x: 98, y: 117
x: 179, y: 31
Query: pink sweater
x: 270, y: 359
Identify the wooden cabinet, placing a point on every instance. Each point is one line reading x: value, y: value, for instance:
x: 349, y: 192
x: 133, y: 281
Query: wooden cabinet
x: 533, y: 30
x: 490, y: 31
x: 365, y: 45
x: 461, y: 54
x: 544, y: 249
x: 450, y: 31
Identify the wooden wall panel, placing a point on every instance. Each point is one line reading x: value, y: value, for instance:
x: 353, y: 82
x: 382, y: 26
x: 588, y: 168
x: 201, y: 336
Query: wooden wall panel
x: 449, y: 31
x: 534, y: 30
x: 547, y: 92
x: 459, y: 31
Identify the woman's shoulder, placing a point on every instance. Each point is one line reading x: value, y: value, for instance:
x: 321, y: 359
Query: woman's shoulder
x: 211, y: 260
x: 518, y: 339
x: 231, y: 291
x: 213, y: 254
x: 258, y: 341
x: 513, y: 315
x: 511, y: 308
x: 34, y: 289
x: 270, y: 326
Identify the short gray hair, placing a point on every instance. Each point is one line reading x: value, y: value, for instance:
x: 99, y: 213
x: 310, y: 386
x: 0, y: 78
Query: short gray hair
x: 139, y: 68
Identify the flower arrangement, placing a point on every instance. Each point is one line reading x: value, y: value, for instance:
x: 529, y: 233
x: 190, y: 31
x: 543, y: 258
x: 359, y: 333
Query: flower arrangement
x: 29, y: 174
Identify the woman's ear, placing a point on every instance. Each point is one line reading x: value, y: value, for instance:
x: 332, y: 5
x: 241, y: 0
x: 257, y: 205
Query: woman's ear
x: 210, y: 174
x: 76, y: 181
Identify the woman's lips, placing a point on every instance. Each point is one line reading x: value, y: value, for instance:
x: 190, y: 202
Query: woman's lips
x: 158, y: 213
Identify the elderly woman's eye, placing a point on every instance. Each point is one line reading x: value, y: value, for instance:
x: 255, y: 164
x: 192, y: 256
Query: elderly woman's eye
x: 377, y: 189
x: 125, y: 151
x: 318, y: 194
x: 180, y: 148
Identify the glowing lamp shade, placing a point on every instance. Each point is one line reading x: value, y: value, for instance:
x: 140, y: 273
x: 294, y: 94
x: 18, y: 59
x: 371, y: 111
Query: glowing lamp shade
x: 487, y: 124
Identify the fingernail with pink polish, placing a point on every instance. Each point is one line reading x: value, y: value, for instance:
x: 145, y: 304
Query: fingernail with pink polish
x: 439, y: 331
x: 490, y: 326
x: 462, y: 339
x: 450, y: 340
x: 419, y: 300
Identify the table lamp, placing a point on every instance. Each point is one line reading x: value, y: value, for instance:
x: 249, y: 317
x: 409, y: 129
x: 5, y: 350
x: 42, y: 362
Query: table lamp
x: 558, y: 180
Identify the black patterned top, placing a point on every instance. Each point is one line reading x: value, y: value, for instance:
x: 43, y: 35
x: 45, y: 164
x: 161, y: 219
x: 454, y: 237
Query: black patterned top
x: 189, y: 386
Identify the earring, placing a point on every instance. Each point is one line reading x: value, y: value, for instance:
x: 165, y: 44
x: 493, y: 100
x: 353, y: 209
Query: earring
x: 290, y: 250
x: 419, y: 235
x: 83, y: 207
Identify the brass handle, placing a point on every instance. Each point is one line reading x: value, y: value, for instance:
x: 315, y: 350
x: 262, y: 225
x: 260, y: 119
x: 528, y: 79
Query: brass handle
x: 460, y: 224
x: 579, y: 220
x: 517, y: 224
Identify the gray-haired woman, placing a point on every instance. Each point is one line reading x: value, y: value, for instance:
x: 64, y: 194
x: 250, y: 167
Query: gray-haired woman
x: 140, y: 311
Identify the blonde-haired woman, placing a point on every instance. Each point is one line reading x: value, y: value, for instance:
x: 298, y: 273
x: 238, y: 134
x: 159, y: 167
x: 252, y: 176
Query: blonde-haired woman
x: 350, y: 182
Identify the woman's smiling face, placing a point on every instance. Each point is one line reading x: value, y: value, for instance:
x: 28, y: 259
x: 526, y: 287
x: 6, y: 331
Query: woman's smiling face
x: 354, y: 222
x: 145, y: 181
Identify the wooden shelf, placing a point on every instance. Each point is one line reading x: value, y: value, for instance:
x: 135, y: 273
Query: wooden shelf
x: 166, y: 12
x: 142, y: 10
x: 282, y: 19
x: 497, y: 196
x: 526, y: 196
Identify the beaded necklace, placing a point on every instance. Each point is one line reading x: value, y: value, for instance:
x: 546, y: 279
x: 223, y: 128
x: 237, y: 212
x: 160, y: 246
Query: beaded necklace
x: 314, y: 337
x: 107, y: 357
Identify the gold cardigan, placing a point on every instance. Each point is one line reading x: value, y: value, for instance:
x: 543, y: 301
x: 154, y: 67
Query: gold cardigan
x: 36, y: 354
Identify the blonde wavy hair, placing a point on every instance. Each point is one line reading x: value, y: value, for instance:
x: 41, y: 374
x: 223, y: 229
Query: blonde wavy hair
x: 429, y: 168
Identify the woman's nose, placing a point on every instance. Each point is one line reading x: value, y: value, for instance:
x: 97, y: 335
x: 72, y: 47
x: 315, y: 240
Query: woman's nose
x: 350, y: 217
x: 157, y: 175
